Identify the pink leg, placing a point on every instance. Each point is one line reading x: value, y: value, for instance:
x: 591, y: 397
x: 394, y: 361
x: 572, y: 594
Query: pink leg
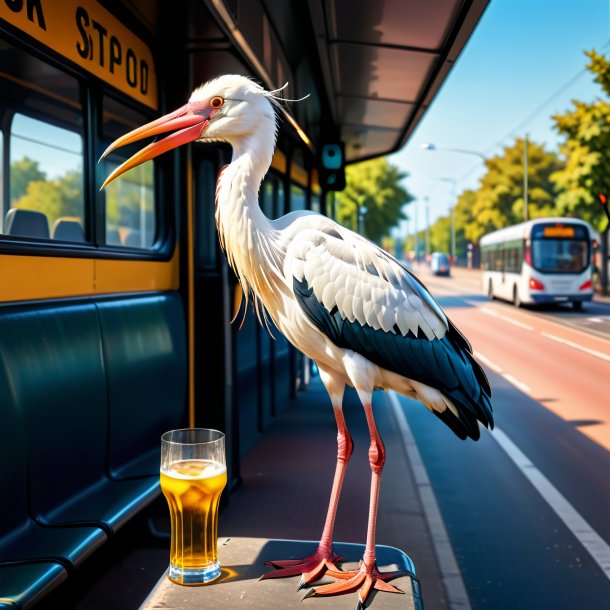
x: 315, y: 565
x: 367, y: 576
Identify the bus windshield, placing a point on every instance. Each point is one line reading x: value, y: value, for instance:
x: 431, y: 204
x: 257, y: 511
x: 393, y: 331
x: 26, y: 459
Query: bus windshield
x: 560, y: 249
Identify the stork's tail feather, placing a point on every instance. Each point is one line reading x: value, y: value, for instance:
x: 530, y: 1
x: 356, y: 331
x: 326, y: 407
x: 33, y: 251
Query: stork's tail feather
x: 471, y: 400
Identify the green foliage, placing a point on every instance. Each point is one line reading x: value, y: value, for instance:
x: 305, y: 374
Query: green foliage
x: 499, y: 201
x: 55, y: 198
x: 373, y: 185
x: 22, y: 173
x: 587, y: 151
x: 440, y: 235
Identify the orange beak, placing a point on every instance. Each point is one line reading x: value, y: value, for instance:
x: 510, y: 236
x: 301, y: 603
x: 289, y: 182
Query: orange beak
x: 188, y: 123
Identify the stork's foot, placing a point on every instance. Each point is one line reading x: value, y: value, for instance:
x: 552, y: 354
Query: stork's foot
x: 363, y: 580
x: 312, y: 567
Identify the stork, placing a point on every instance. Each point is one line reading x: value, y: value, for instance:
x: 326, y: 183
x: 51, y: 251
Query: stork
x: 356, y: 311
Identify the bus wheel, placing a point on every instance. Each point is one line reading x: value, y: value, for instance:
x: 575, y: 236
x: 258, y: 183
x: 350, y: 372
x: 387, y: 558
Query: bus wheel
x: 490, y: 291
x: 577, y: 305
x: 516, y: 299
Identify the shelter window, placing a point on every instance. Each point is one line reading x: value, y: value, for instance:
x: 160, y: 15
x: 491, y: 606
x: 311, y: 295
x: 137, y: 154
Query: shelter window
x: 42, y: 120
x: 131, y: 216
x: 298, y: 197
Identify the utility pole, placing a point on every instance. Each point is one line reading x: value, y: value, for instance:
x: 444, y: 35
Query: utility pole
x: 415, y: 235
x: 525, y: 202
x: 427, y: 200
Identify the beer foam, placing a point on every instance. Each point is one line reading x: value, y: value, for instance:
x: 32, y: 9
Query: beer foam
x: 195, y: 469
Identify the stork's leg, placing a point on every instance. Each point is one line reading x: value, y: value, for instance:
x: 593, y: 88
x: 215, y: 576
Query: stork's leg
x: 367, y: 577
x: 315, y: 565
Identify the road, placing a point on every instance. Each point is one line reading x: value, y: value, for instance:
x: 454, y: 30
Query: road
x: 527, y: 508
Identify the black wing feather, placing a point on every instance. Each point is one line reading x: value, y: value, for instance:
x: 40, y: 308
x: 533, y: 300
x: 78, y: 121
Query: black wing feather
x: 446, y: 364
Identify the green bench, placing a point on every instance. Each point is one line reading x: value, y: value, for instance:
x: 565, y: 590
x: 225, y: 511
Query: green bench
x: 86, y: 389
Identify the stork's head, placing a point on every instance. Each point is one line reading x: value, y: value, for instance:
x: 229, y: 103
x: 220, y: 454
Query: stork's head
x: 230, y: 108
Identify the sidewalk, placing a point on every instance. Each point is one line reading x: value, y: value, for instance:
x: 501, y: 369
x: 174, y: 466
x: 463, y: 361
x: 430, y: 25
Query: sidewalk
x: 287, y: 478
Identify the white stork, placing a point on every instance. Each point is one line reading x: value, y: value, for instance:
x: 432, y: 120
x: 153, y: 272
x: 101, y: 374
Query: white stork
x: 353, y: 309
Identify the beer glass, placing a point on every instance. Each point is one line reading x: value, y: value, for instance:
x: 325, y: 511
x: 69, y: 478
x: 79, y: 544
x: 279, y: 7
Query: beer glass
x: 193, y: 475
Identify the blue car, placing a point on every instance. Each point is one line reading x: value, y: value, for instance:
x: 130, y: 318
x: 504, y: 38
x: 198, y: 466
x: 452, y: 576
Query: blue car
x: 439, y: 264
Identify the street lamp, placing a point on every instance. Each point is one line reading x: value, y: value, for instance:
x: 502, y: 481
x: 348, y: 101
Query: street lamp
x: 453, y: 183
x: 464, y: 151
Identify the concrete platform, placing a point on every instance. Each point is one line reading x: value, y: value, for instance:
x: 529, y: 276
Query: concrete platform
x: 242, y: 561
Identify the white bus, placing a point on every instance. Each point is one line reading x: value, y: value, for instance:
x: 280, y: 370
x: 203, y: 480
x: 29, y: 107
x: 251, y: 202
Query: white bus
x: 547, y: 260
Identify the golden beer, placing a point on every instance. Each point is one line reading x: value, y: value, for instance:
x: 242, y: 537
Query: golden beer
x: 192, y: 488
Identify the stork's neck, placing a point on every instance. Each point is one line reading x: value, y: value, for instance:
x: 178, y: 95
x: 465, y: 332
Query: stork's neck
x: 245, y: 232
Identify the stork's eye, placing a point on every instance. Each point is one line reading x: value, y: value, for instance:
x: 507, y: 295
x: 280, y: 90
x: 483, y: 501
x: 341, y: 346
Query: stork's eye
x: 217, y: 102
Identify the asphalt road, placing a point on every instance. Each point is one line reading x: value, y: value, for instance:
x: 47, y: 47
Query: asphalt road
x: 527, y: 508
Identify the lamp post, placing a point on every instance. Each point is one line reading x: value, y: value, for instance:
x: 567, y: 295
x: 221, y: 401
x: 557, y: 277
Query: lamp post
x: 464, y: 151
x: 427, y: 248
x: 525, y: 202
x: 453, y: 181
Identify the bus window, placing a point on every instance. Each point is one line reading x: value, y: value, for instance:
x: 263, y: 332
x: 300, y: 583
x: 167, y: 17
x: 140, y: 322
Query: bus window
x: 206, y: 240
x: 43, y: 185
x: 267, y: 196
x: 298, y: 198
x: 131, y: 214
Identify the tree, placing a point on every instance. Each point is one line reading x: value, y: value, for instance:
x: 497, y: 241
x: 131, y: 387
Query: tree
x: 464, y: 216
x: 440, y: 235
x: 22, y: 173
x: 499, y: 201
x: 373, y: 185
x: 55, y: 198
x: 586, y: 148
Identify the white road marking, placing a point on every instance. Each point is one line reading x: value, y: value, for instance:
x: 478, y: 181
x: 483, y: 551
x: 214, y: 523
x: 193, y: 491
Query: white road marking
x: 581, y: 348
x: 498, y: 369
x: 522, y: 386
x: 584, y: 533
x: 491, y: 312
x: 596, y: 320
x: 488, y: 363
x: 452, y: 577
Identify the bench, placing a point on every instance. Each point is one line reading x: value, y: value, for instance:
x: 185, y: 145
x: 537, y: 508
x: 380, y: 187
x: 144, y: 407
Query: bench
x: 86, y: 390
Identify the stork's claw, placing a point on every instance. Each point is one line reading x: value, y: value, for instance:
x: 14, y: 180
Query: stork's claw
x: 363, y: 580
x: 311, y: 568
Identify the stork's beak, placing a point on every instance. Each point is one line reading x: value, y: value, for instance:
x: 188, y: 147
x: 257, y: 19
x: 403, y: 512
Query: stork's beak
x: 190, y: 121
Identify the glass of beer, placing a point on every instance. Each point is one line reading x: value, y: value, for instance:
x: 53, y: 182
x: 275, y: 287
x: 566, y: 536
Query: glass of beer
x: 193, y: 475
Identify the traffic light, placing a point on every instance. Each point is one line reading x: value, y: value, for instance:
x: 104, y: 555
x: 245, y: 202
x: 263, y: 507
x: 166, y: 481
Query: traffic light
x: 332, y: 166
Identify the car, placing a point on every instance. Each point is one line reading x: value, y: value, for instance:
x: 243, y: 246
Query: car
x: 439, y: 264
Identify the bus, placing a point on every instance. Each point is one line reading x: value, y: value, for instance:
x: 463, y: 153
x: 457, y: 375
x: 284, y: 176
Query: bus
x: 547, y: 260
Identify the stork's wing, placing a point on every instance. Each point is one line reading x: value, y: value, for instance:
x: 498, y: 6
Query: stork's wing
x: 365, y: 300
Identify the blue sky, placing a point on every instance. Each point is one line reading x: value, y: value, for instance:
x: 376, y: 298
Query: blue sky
x: 522, y: 53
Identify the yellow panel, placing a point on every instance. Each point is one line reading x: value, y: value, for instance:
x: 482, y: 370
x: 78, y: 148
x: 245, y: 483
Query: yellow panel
x: 315, y: 182
x: 299, y: 175
x: 87, y: 34
x: 279, y: 161
x: 135, y: 276
x: 25, y: 278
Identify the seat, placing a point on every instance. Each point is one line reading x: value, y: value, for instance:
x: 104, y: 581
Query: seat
x: 67, y: 229
x: 22, y: 586
x: 53, y: 356
x: 26, y: 223
x: 132, y: 238
x: 144, y: 351
x: 21, y: 538
x: 112, y: 236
